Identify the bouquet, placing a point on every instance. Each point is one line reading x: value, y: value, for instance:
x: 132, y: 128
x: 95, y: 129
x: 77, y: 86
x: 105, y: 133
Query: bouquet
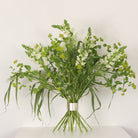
x: 72, y: 68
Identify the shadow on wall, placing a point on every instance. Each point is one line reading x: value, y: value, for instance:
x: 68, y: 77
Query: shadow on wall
x: 11, y: 134
x: 131, y: 132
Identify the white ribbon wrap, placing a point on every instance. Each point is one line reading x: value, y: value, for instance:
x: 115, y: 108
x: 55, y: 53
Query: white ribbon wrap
x: 72, y: 106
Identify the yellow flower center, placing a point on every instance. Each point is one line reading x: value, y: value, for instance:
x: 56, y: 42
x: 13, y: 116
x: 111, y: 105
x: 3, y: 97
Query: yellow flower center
x: 61, y: 35
x: 48, y: 75
x: 62, y: 56
x: 58, y: 88
x: 79, y: 67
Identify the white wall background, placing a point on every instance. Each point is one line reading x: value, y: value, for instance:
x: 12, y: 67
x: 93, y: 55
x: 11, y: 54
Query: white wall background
x: 29, y: 21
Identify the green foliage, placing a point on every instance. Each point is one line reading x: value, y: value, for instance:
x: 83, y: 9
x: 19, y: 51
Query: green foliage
x: 72, y: 68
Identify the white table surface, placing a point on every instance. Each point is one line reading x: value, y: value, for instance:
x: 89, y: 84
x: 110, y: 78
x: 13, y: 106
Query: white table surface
x: 97, y: 132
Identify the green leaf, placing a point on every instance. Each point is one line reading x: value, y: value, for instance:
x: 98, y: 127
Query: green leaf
x: 32, y: 90
x: 37, y: 98
x: 78, y: 45
x: 95, y: 38
x: 115, y: 46
x: 104, y: 45
x: 93, y: 96
x: 39, y: 109
x: 66, y: 23
x: 92, y: 99
x: 89, y: 31
x: 119, y: 88
x: 133, y: 86
x: 119, y: 43
x: 28, y: 67
x: 57, y: 27
x: 7, y: 95
x: 122, y: 48
x: 50, y: 35
x: 118, y: 82
x: 15, y: 61
x: 55, y: 96
x: 101, y: 39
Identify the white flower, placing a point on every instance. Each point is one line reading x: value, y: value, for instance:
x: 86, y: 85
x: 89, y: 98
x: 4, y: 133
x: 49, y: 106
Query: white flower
x: 89, y: 51
x: 33, y: 53
x: 102, y: 61
x: 84, y: 58
x: 118, y: 56
x: 37, y: 49
x: 114, y: 51
x: 38, y: 56
x: 79, y: 50
x: 45, y: 61
x: 92, y: 45
x: 81, y: 57
x: 78, y: 58
x: 77, y: 63
x: 111, y: 63
x: 114, y: 59
x: 40, y: 68
x: 108, y: 66
x: 62, y: 44
x: 66, y: 33
x: 109, y: 55
x: 85, y: 54
x: 82, y: 63
x: 105, y: 58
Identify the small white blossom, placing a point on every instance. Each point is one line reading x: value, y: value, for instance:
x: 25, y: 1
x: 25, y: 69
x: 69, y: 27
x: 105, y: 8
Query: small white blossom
x: 85, y: 54
x: 33, y: 53
x: 78, y: 58
x: 45, y: 61
x: 89, y: 51
x: 112, y: 63
x: 62, y: 44
x: 101, y: 61
x: 38, y: 56
x: 91, y: 45
x: 77, y: 63
x: 108, y: 66
x: 82, y: 63
x: 81, y: 57
x: 37, y: 49
x: 79, y: 50
x: 109, y: 55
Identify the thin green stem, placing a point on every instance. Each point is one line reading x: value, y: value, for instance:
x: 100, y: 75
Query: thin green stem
x: 60, y: 122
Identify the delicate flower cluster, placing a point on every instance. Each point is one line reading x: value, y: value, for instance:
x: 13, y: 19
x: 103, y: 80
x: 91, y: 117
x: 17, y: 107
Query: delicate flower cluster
x: 37, y: 51
x: 115, y: 57
x: 81, y: 57
x: 91, y: 43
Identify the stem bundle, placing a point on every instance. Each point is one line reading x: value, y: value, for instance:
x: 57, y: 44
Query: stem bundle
x: 72, y: 120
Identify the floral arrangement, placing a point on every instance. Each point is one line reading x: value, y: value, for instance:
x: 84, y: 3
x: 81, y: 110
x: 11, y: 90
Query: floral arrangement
x: 72, y: 68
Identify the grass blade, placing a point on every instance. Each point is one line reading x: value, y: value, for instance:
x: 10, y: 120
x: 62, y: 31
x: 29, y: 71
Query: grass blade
x: 49, y: 103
